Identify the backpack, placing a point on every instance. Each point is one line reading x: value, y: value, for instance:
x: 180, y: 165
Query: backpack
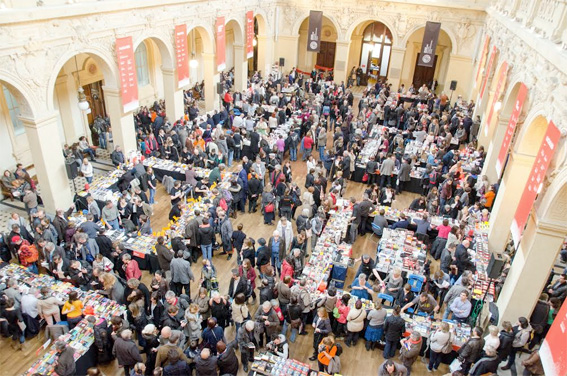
x: 29, y: 255
x: 339, y: 349
x: 223, y: 204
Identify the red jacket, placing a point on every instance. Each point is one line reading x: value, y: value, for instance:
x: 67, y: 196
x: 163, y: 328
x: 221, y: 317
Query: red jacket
x: 250, y: 275
x: 287, y: 269
x: 307, y: 142
x: 133, y: 270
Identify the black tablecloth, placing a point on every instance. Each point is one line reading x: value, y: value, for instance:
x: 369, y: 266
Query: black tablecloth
x: 413, y: 186
x: 82, y: 204
x: 88, y: 360
x: 160, y: 173
x: 148, y: 262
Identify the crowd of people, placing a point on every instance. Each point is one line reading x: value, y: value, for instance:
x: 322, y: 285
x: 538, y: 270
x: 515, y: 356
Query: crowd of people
x: 179, y: 320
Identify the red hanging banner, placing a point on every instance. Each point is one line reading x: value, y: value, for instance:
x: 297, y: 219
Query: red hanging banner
x: 516, y: 111
x: 497, y: 91
x: 221, y: 44
x: 128, y: 76
x: 482, y: 57
x: 182, y: 56
x: 488, y: 70
x: 535, y: 181
x: 553, y: 352
x: 249, y: 34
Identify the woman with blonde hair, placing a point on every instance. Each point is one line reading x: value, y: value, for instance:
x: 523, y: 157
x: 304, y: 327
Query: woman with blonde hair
x: 327, y: 350
x: 194, y: 319
x: 439, y: 344
x: 202, y: 302
x: 268, y: 205
x: 48, y: 306
x: 308, y: 201
x: 111, y: 287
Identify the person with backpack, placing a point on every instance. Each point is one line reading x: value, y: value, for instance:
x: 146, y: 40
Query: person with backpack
x: 27, y: 253
x: 522, y: 331
x: 327, y: 349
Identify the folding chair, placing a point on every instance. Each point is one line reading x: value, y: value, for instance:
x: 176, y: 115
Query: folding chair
x: 416, y: 282
x: 375, y: 228
x: 387, y: 297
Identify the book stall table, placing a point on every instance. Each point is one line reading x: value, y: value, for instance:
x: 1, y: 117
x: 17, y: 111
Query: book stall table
x: 103, y: 188
x: 81, y: 338
x: 400, y: 248
x: 329, y: 250
x: 165, y: 167
x: 272, y: 365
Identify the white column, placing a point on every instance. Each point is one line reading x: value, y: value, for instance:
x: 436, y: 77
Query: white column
x: 493, y: 150
x: 460, y: 69
x: 209, y: 68
x: 240, y: 68
x: 265, y: 54
x: 287, y: 48
x: 341, y: 61
x: 65, y: 111
x: 395, y: 68
x: 122, y: 124
x: 173, y: 96
x: 507, y: 199
x: 45, y: 147
x: 540, y: 243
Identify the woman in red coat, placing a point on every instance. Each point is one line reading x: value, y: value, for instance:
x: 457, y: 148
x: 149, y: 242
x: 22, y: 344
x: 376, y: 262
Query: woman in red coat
x: 287, y: 268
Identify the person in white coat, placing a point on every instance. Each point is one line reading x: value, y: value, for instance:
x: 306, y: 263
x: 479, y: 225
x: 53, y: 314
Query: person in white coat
x: 286, y: 231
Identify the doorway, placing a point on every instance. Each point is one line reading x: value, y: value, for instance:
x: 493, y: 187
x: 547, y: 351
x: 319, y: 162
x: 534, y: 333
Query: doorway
x: 95, y: 97
x: 326, y: 55
x: 423, y: 75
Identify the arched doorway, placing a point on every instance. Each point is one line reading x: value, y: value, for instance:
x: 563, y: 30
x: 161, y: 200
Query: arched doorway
x: 236, y: 55
x: 325, y: 58
x: 370, y: 49
x: 202, y: 65
x: 413, y: 74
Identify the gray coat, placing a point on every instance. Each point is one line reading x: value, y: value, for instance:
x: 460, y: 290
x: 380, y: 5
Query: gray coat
x: 387, y: 167
x: 65, y: 362
x: 404, y: 173
x: 181, y: 271
x: 226, y: 230
x: 126, y: 352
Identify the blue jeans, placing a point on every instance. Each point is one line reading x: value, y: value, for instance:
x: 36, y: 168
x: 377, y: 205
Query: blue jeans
x: 102, y: 140
x: 207, y: 251
x: 33, y: 269
x: 90, y: 152
x: 321, y: 152
x: 446, y: 313
x: 390, y: 349
x: 89, y: 179
x: 152, y: 195
x: 114, y: 224
x: 276, y: 261
x: 230, y: 157
x: 293, y: 154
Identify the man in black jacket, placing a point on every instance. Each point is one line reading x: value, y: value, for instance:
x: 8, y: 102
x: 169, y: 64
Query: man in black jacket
x: 471, y: 350
x: 227, y: 361
x: 237, y: 284
x: 254, y: 192
x: 264, y: 256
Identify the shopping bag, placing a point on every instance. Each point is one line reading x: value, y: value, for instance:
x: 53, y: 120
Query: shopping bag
x: 455, y: 365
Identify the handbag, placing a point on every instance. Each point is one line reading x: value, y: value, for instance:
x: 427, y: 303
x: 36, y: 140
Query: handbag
x: 336, y: 313
x: 365, y: 177
x: 269, y: 208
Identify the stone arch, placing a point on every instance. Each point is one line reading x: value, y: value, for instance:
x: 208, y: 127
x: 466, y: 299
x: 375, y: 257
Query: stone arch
x: 299, y: 21
x: 165, y: 49
x: 206, y: 36
x: 447, y: 31
x: 361, y: 24
x: 239, y: 35
x: 105, y: 62
x: 262, y: 20
x: 532, y: 133
x: 21, y: 92
x: 553, y: 204
x: 509, y: 100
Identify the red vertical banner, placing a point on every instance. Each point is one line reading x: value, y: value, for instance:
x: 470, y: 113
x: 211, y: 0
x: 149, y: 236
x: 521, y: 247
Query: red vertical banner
x: 482, y: 57
x: 182, y: 55
x: 497, y: 92
x: 516, y: 111
x: 249, y: 34
x: 535, y: 181
x: 128, y: 76
x: 221, y: 44
x: 488, y: 70
x: 553, y: 352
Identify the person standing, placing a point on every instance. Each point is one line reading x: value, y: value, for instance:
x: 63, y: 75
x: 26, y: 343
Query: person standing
x: 65, y: 363
x: 471, y: 350
x: 126, y: 351
x: 181, y: 274
x: 440, y: 343
x: 164, y: 256
x: 522, y: 331
x: 394, y: 327
x: 87, y: 170
x: 410, y: 350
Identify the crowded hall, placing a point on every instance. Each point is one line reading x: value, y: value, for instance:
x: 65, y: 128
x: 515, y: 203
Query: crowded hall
x: 303, y: 188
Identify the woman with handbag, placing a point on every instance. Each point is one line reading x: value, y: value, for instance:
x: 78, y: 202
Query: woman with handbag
x: 327, y: 350
x: 375, y: 328
x: 355, y: 323
x: 268, y: 205
x: 322, y: 327
x: 439, y: 343
x: 293, y: 318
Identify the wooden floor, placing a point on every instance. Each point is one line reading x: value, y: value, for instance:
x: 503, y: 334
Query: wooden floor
x: 15, y: 363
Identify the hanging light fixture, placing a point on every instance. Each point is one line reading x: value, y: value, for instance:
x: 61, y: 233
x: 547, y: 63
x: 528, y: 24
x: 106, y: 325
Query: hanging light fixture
x: 254, y: 42
x: 193, y: 63
x: 83, y: 103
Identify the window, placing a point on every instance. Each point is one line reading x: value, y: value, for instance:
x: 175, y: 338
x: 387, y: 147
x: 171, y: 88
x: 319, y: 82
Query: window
x: 376, y: 49
x: 142, y: 65
x: 14, y: 111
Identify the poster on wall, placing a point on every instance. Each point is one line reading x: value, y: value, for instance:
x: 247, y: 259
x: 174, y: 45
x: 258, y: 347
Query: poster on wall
x: 221, y: 44
x: 488, y: 70
x: 553, y: 352
x: 249, y: 34
x: 182, y: 57
x: 497, y: 92
x: 535, y: 181
x: 128, y: 75
x: 314, y: 32
x: 482, y: 59
x: 516, y: 111
x: 429, y: 44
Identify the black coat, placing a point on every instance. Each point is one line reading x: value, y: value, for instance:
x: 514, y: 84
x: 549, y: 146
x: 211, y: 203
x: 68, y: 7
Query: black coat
x: 472, y: 349
x: 394, y: 328
x: 228, y: 362
x: 505, y: 347
x: 240, y: 287
x: 264, y: 254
